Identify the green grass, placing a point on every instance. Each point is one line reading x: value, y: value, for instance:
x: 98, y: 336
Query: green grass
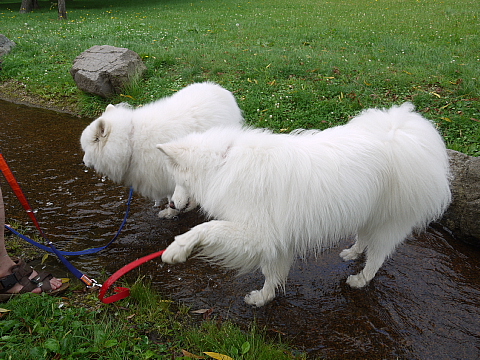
x: 302, y: 64
x: 142, y: 327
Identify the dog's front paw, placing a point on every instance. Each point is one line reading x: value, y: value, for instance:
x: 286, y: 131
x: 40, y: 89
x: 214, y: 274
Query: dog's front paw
x: 168, y: 213
x: 181, y: 248
x: 259, y: 298
x: 175, y: 253
x: 357, y: 281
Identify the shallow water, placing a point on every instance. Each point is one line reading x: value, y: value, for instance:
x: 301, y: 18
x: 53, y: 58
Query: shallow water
x: 424, y: 303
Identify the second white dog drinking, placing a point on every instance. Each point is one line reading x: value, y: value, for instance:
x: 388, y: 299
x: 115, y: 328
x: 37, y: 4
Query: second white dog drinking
x: 276, y: 196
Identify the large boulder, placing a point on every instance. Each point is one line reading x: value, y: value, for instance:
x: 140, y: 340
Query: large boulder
x: 105, y: 70
x: 6, y: 46
x: 463, y: 215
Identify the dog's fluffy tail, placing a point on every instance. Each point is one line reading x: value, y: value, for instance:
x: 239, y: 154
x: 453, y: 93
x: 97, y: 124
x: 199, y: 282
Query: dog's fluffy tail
x: 419, y: 175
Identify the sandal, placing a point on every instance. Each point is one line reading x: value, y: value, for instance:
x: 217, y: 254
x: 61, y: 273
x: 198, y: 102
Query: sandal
x: 20, y: 275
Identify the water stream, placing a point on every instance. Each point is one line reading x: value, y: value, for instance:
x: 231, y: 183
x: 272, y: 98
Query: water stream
x: 424, y: 303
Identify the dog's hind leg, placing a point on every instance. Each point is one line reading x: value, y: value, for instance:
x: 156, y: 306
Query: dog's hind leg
x: 380, y: 245
x: 275, y: 272
x: 355, y: 250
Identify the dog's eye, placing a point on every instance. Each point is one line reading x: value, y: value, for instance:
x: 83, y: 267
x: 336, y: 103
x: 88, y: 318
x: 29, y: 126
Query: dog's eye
x: 97, y: 139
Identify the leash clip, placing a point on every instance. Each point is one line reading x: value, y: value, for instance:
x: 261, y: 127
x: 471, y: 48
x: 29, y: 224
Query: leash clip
x: 94, y: 284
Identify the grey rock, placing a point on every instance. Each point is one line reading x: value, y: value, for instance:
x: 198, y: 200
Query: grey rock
x: 105, y: 70
x: 463, y: 215
x: 6, y: 45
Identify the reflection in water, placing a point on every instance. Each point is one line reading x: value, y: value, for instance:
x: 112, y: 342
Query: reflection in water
x: 423, y: 304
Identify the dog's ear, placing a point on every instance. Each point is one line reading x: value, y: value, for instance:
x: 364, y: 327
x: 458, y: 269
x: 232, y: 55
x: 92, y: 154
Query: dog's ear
x: 102, y: 130
x: 172, y: 152
x: 169, y: 150
x: 109, y: 107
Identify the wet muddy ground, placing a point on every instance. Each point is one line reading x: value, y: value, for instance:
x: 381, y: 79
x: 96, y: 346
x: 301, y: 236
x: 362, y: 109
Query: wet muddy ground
x: 424, y: 303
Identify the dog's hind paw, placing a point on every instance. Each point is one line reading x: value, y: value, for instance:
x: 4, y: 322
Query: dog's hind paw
x: 349, y: 254
x: 259, y: 298
x: 357, y: 281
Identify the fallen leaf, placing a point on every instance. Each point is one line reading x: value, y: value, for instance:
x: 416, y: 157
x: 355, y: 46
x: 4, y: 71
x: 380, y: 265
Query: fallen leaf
x: 130, y: 316
x: 218, y: 356
x: 44, y: 258
x: 200, y: 311
x: 206, y: 313
x: 4, y: 310
x: 192, y: 356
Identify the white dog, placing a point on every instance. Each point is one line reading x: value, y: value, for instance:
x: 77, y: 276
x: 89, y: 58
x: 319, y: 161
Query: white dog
x: 276, y: 196
x: 121, y: 143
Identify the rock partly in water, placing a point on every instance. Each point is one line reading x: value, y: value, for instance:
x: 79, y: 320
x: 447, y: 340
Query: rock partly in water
x: 463, y: 215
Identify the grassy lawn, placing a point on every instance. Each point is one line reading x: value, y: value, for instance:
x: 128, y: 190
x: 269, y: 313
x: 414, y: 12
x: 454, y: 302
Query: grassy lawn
x: 142, y: 327
x: 305, y: 64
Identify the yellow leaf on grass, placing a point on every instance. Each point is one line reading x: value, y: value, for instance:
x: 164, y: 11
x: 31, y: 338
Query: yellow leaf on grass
x: 218, y: 356
x: 434, y: 93
x: 44, y: 258
x: 4, y: 310
x: 446, y: 119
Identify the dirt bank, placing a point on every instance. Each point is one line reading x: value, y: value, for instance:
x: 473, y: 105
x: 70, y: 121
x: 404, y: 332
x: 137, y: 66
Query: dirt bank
x: 16, y: 92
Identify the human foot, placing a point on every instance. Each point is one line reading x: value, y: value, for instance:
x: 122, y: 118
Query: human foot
x: 22, y: 278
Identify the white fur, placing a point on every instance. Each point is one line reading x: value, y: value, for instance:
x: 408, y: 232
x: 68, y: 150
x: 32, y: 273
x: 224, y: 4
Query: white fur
x: 121, y: 142
x: 277, y: 196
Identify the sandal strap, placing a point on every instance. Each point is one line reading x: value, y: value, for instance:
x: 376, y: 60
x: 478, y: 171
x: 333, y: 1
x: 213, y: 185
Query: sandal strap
x: 42, y: 281
x: 19, y: 271
x: 7, y: 283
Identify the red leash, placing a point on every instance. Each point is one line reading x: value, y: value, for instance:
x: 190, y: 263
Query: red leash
x: 121, y: 292
x: 7, y: 172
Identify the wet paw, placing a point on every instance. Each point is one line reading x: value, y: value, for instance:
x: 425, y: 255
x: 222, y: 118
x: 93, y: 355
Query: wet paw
x: 181, y: 248
x: 259, y: 298
x: 357, y: 281
x: 168, y: 213
x: 175, y: 253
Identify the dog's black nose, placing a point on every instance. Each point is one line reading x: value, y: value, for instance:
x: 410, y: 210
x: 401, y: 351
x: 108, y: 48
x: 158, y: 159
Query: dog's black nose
x: 172, y: 205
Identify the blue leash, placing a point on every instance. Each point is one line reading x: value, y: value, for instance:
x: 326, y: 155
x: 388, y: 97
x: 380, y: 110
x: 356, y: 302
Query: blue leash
x: 61, y: 254
x: 83, y: 252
